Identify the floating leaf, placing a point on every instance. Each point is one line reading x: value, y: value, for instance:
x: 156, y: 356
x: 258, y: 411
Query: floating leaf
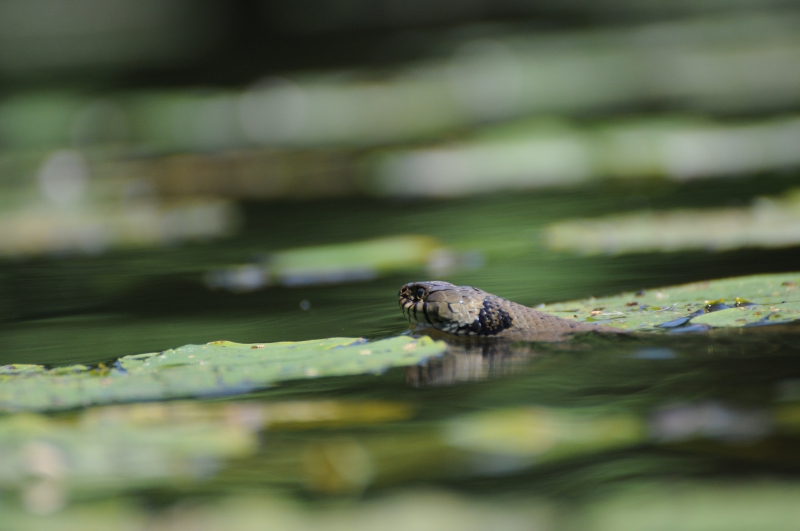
x: 543, y: 432
x: 152, y: 444
x: 253, y: 508
x: 38, y: 230
x: 693, y: 505
x: 766, y: 314
x: 254, y: 415
x: 113, y: 453
x: 217, y: 368
x: 344, y: 262
x: 732, y: 302
x: 766, y: 224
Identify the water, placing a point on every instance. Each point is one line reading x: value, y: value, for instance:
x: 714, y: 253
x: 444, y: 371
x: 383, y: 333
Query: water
x: 93, y: 309
x: 667, y: 409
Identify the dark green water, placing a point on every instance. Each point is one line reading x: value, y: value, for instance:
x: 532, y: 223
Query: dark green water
x: 89, y: 310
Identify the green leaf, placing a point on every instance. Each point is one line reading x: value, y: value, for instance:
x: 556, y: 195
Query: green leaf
x: 769, y: 223
x: 217, y: 368
x: 732, y: 302
x: 326, y: 264
x: 111, y: 448
x: 543, y: 432
x: 102, y: 453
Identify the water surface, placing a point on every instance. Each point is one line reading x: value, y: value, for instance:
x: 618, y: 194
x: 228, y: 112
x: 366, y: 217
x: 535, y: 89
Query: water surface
x: 565, y: 424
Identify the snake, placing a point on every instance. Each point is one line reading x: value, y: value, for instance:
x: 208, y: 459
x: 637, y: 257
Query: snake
x: 467, y: 312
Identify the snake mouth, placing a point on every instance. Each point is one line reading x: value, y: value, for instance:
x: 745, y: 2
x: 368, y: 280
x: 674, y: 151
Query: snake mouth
x: 421, y: 303
x: 425, y: 305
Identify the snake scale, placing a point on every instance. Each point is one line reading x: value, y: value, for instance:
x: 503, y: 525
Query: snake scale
x: 469, y: 312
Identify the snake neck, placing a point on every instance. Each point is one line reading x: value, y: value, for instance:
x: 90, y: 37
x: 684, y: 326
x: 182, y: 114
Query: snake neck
x: 467, y: 312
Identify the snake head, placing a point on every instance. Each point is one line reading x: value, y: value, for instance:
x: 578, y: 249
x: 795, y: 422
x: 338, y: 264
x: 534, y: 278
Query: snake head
x: 459, y: 310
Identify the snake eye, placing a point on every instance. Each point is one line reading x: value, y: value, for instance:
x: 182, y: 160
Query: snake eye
x: 420, y: 293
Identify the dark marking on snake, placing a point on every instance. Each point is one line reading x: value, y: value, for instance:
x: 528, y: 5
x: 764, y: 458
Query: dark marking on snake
x: 467, y: 311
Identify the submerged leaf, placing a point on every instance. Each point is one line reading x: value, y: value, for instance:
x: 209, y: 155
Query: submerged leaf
x: 217, y: 368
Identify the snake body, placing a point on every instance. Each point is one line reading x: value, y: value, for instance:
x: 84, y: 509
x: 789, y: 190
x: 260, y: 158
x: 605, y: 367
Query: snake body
x: 470, y: 312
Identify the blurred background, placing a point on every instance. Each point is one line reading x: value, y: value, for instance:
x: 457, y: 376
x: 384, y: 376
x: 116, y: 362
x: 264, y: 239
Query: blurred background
x: 177, y: 172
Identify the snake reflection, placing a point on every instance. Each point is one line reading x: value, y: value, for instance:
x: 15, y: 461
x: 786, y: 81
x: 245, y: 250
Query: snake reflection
x: 484, y: 331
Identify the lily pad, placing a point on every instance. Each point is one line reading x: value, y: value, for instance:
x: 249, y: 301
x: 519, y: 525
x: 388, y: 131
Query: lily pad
x: 343, y: 262
x: 543, y: 432
x: 769, y: 223
x: 125, y: 446
x: 113, y: 454
x: 217, y: 368
x: 732, y: 302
